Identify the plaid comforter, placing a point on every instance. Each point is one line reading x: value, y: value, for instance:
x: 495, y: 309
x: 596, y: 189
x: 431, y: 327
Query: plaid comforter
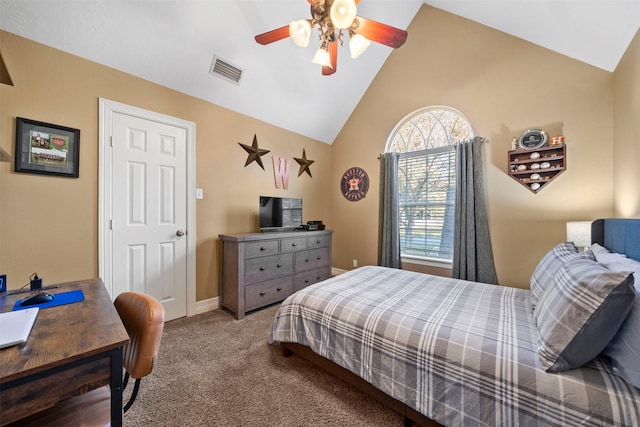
x: 459, y: 352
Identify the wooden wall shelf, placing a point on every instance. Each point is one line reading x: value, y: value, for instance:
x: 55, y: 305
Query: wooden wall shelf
x: 526, y: 168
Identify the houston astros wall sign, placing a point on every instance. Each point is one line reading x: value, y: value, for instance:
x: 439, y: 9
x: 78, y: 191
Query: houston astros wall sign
x: 354, y: 184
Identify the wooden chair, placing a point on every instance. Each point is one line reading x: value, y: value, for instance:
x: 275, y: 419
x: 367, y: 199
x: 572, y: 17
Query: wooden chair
x: 143, y: 318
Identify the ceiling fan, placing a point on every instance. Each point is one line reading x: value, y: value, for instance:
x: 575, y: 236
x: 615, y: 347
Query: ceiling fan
x: 334, y: 18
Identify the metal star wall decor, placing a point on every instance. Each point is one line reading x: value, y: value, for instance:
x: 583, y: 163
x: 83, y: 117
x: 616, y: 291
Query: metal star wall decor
x: 304, y: 163
x: 254, y: 152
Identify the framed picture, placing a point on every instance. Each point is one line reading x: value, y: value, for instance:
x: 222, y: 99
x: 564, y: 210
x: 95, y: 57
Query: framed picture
x: 47, y: 149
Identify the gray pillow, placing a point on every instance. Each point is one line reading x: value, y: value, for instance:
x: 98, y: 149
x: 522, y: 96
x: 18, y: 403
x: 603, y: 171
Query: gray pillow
x: 581, y: 313
x: 543, y: 275
x: 624, y: 349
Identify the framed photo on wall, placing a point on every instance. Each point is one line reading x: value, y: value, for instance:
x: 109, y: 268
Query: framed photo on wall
x: 47, y: 149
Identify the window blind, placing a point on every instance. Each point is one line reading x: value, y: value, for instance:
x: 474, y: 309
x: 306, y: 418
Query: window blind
x: 427, y: 201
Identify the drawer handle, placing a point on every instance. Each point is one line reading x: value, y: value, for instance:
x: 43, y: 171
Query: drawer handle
x: 306, y: 280
x: 278, y: 265
x: 262, y: 293
x: 306, y: 260
x: 262, y: 267
x: 318, y: 241
x: 262, y: 248
x: 278, y: 289
x: 318, y: 257
x: 318, y: 277
x: 293, y: 244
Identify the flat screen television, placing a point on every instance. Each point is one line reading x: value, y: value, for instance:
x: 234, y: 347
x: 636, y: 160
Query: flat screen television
x: 280, y: 213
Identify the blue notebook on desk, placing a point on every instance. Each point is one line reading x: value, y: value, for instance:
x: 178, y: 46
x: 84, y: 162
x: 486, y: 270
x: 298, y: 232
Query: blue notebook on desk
x: 59, y: 299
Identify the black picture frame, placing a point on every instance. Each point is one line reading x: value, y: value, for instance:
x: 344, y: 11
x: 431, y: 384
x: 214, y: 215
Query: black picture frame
x: 47, y: 149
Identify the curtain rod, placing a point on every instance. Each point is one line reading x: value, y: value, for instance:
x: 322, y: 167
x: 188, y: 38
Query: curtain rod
x: 480, y: 138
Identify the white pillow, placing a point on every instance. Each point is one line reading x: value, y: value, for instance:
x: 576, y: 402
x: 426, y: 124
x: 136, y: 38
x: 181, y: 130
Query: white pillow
x: 597, y: 250
x: 618, y: 262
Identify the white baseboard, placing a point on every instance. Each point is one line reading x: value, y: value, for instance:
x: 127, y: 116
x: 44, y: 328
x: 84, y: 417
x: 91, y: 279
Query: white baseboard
x: 207, y: 305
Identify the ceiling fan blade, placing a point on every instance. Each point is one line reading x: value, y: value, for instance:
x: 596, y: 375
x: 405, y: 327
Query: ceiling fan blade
x: 381, y: 33
x: 273, y: 35
x: 333, y: 54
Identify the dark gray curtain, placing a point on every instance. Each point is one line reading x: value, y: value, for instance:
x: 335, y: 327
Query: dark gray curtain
x: 472, y: 253
x: 389, y: 215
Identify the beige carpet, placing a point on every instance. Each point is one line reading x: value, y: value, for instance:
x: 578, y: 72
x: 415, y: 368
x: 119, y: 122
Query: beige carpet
x: 216, y: 371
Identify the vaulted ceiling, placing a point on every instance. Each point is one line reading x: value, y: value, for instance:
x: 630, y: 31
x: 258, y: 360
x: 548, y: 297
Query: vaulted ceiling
x: 173, y: 43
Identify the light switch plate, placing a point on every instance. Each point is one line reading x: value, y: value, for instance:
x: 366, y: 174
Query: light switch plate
x: 199, y: 193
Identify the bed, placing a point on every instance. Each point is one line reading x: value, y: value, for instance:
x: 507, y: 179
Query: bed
x: 451, y: 352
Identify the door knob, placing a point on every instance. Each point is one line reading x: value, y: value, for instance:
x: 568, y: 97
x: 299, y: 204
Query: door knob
x: 180, y: 233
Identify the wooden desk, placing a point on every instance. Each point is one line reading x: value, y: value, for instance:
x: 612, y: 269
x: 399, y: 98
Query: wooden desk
x: 71, y: 350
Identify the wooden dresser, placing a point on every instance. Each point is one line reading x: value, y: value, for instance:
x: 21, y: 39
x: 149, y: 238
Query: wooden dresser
x: 259, y: 269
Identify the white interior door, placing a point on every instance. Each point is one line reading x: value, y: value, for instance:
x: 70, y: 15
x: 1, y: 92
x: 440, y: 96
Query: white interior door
x: 149, y: 219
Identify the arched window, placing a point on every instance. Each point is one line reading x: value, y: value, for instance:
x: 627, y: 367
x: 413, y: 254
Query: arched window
x: 425, y: 140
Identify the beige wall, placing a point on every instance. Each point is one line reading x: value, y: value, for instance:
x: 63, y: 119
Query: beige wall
x: 504, y: 86
x: 49, y: 224
x: 626, y: 132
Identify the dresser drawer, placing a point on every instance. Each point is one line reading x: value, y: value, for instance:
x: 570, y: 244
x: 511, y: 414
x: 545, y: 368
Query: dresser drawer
x: 306, y: 278
x: 318, y: 241
x: 293, y: 245
x: 269, y: 267
x: 307, y: 260
x: 261, y: 248
x: 260, y: 269
x: 265, y: 293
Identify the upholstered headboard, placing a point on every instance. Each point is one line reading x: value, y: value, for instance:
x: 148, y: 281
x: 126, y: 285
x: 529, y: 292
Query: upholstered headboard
x: 618, y: 235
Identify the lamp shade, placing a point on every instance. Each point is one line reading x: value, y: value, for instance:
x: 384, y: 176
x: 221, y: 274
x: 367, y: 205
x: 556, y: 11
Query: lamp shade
x: 342, y: 13
x: 322, y: 57
x: 579, y: 232
x: 358, y: 44
x: 300, y: 32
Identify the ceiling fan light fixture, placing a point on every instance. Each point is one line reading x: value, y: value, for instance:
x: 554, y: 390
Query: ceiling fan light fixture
x: 322, y: 57
x: 342, y: 13
x: 300, y: 32
x: 334, y: 19
x: 358, y: 44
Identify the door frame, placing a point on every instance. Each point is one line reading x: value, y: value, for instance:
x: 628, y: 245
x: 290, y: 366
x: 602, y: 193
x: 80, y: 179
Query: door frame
x: 105, y: 161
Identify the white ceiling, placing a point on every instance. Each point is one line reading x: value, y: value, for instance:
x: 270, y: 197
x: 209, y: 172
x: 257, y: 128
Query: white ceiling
x: 172, y: 43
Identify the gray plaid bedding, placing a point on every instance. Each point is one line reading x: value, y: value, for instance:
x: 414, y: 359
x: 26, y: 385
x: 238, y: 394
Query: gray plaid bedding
x: 461, y: 353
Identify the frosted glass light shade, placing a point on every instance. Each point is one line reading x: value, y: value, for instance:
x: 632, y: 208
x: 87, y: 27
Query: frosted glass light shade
x: 358, y: 44
x: 579, y: 232
x: 300, y: 32
x: 342, y: 13
x: 322, y: 57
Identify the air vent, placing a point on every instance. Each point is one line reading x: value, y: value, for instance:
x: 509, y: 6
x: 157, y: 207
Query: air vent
x: 225, y: 70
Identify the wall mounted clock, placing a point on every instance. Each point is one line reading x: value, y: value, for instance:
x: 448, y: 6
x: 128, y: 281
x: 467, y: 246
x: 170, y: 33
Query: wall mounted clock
x: 354, y: 184
x: 532, y: 139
